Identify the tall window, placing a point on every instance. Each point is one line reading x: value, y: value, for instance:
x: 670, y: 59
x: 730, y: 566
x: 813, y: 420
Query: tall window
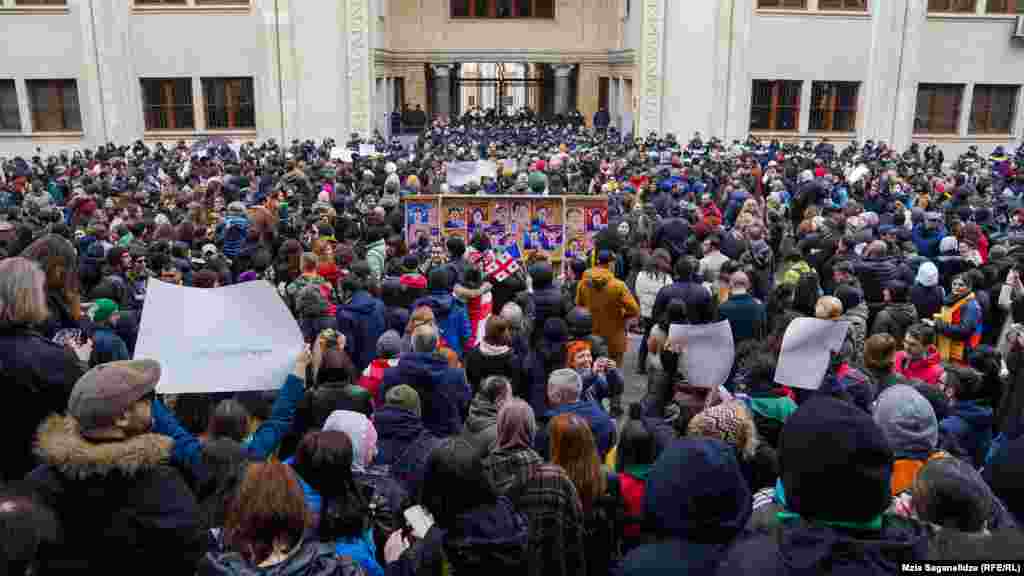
x: 834, y: 106
x: 602, y: 92
x: 10, y: 118
x: 1005, y: 7
x: 167, y: 104
x: 229, y: 103
x: 503, y: 8
x: 775, y: 105
x: 993, y: 109
x: 849, y: 5
x: 938, y: 108
x: 54, y: 105
x: 794, y: 4
x: 958, y: 6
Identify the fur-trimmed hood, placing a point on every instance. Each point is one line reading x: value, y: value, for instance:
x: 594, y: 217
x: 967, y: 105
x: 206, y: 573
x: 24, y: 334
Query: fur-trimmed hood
x: 60, y: 444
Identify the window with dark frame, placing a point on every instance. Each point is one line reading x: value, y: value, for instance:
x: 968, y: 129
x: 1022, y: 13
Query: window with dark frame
x: 993, y: 109
x: 775, y: 105
x: 845, y: 5
x: 167, y: 103
x: 54, y: 105
x: 834, y: 106
x: 10, y: 116
x: 230, y: 103
x: 603, y: 91
x: 954, y: 6
x: 938, y: 108
x: 40, y: 2
x: 786, y: 4
x: 502, y: 8
x: 1005, y: 7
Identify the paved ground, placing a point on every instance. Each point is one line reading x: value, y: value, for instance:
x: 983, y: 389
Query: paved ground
x: 636, y: 384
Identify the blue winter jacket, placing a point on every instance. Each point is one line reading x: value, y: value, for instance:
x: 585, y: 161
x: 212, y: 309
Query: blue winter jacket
x: 444, y: 393
x: 361, y: 320
x: 601, y: 424
x: 452, y: 319
x: 927, y: 241
x: 188, y: 449
x: 108, y: 346
x: 233, y: 232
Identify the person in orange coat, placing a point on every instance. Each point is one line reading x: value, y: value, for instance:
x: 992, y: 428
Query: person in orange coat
x: 610, y: 303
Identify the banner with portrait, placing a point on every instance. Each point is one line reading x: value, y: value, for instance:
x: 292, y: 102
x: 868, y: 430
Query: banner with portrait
x: 421, y: 221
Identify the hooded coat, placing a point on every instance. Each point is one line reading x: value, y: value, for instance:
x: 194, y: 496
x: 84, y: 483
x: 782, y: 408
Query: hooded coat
x: 926, y: 294
x: 611, y: 305
x: 118, y: 503
x: 444, y: 393
x: 695, y: 504
x: 403, y: 445
x: 361, y: 320
x: 894, y: 320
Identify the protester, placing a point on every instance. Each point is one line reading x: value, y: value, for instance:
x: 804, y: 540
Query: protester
x: 443, y: 390
x: 830, y: 448
x: 696, y: 504
x: 512, y: 457
x: 472, y: 530
x: 882, y: 233
x: 919, y: 359
x: 482, y: 420
x: 564, y: 389
x: 747, y: 315
x: 265, y: 528
x: 105, y: 475
x: 495, y: 356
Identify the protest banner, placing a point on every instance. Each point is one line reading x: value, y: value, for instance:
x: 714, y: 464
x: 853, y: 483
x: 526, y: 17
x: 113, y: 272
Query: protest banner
x: 807, y: 349
x: 462, y: 173
x: 367, y: 150
x: 230, y: 339
x: 709, y: 350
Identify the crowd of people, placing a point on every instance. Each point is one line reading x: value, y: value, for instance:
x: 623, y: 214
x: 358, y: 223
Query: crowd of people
x: 447, y: 419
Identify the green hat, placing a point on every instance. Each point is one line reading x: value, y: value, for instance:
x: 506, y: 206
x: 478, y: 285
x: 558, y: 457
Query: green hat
x: 537, y: 181
x: 403, y: 396
x: 103, y: 309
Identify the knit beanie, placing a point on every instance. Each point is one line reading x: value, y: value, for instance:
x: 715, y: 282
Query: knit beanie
x: 103, y: 309
x: 835, y: 462
x: 403, y: 396
x: 389, y: 345
x: 729, y: 422
x: 908, y: 422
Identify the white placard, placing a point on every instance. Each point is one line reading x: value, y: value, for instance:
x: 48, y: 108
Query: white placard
x: 462, y: 173
x: 710, y: 351
x: 367, y: 150
x: 343, y: 154
x: 239, y: 337
x: 806, y: 351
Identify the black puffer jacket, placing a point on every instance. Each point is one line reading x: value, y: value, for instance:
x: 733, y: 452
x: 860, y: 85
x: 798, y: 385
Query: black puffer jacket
x: 876, y: 273
x: 38, y: 377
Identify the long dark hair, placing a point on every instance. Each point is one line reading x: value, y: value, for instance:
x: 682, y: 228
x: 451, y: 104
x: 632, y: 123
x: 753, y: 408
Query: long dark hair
x: 454, y: 481
x: 324, y: 461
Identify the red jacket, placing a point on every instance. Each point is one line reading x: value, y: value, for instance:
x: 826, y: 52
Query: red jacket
x: 928, y: 369
x: 374, y: 374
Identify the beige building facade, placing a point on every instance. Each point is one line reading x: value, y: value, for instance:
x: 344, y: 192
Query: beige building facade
x: 84, y: 72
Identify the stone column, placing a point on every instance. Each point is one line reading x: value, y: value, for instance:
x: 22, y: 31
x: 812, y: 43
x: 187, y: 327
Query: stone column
x: 562, y: 75
x: 442, y: 82
x: 360, y: 67
x: 652, y: 65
